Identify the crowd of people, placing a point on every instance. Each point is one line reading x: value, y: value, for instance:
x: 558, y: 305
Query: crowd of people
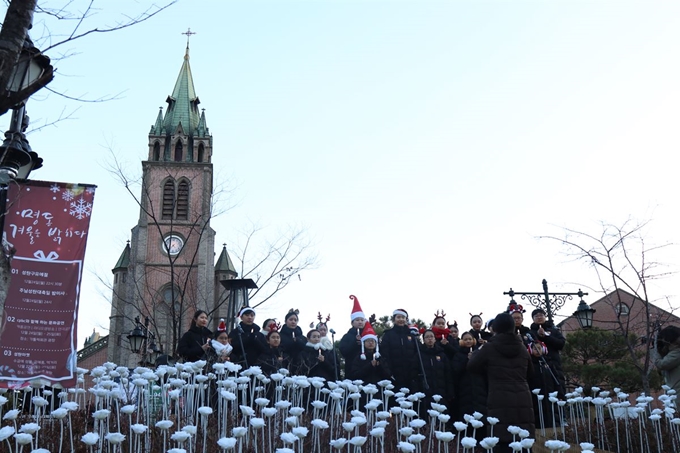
x: 491, y: 368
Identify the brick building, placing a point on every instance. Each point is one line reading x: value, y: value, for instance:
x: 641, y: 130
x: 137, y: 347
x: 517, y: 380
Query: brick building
x: 167, y: 271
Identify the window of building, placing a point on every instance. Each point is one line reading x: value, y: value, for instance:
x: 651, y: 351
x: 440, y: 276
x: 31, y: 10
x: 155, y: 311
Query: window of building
x: 178, y: 151
x: 201, y: 152
x: 622, y: 309
x: 168, y: 199
x: 115, y: 279
x: 156, y: 151
x: 183, y: 200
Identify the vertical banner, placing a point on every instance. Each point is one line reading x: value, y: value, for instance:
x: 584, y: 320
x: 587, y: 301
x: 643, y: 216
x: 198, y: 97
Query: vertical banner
x: 46, y: 226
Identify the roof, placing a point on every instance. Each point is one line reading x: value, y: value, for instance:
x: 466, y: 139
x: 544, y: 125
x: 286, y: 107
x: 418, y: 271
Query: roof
x: 182, y: 107
x: 124, y: 260
x: 224, y: 263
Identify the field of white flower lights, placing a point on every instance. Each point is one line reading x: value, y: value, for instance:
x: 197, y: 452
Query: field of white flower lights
x: 182, y: 409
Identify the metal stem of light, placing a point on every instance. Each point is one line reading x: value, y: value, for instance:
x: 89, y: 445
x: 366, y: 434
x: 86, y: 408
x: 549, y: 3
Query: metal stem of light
x: 550, y: 302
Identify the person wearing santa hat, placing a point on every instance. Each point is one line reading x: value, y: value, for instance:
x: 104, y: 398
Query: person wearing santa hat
x: 399, y: 345
x: 220, y: 348
x: 350, y: 343
x: 369, y: 366
x: 244, y: 339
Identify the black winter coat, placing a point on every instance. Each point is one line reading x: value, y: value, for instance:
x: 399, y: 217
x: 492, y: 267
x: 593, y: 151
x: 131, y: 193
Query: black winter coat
x: 293, y: 346
x: 244, y: 338
x: 350, y: 350
x: 437, y: 371
x: 190, y: 346
x: 480, y: 334
x: 554, y: 341
x: 542, y: 379
x: 398, y: 347
x: 310, y: 365
x: 507, y: 365
x: 364, y: 369
x: 471, y: 389
x: 271, y: 360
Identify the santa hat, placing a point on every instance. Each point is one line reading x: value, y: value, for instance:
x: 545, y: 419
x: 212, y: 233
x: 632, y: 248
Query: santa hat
x: 357, y: 312
x: 369, y: 334
x: 245, y: 310
x: 514, y: 307
x: 415, y: 330
x: 400, y: 311
x: 222, y: 327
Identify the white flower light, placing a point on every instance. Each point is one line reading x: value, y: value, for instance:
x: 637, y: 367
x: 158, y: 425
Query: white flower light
x: 114, y: 438
x: 406, y: 447
x: 227, y: 443
x: 29, y: 428
x: 138, y: 428
x: 23, y: 438
x: 444, y: 436
x: 6, y: 432
x: 90, y: 438
x: 338, y: 444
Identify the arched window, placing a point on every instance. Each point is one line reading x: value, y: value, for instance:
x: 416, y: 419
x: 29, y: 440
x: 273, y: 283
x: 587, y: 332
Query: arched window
x: 156, y: 151
x: 178, y: 151
x: 183, y: 200
x: 622, y: 309
x: 201, y: 152
x: 168, y: 199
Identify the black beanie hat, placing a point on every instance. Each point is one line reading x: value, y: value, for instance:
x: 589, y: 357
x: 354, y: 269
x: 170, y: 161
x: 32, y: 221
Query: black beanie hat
x: 538, y: 310
x: 503, y: 323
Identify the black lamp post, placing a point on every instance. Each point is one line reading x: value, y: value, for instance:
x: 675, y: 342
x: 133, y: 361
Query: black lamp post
x: 584, y: 315
x: 550, y: 302
x: 238, y: 297
x: 143, y: 341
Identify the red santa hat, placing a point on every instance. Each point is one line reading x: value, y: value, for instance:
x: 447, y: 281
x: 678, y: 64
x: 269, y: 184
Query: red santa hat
x: 369, y: 334
x: 357, y: 312
x: 222, y: 327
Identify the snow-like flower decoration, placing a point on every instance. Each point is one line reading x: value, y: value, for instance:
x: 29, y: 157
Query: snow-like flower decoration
x: 488, y: 443
x: 23, y: 438
x: 416, y: 438
x: 338, y: 444
x: 205, y: 410
x: 288, y: 438
x: 476, y: 424
x: 30, y: 428
x: 269, y: 411
x: 164, y: 424
x: 523, y: 434
x: 444, y: 436
x: 177, y: 450
x: 257, y: 423
x: 70, y: 405
x: 515, y: 446
x: 101, y: 414
x: 296, y: 411
x: 383, y: 415
x: 59, y: 413
x: 358, y: 441
x: 6, y: 432
x: 138, y: 428
x: 377, y: 432
x: 468, y: 417
x: 527, y: 443
x: 39, y: 401
x: 239, y: 431
x: 417, y: 423
x: 406, y: 447
x: 460, y: 426
x: 319, y: 423
x: 227, y: 443
x: 90, y: 438
x: 468, y: 442
x: 114, y: 438
x: 444, y: 418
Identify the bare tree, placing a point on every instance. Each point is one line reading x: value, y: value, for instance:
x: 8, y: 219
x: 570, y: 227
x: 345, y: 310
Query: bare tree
x: 625, y: 263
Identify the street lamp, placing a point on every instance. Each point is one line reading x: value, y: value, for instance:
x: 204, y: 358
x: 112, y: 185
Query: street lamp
x: 584, y: 315
x: 238, y: 297
x: 143, y: 341
x: 550, y: 302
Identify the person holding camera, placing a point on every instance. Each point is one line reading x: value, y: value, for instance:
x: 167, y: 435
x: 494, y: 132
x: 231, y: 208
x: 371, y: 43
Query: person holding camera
x: 668, y: 356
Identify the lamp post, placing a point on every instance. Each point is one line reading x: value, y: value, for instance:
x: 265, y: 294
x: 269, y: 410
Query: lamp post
x: 142, y: 341
x: 550, y: 302
x: 584, y: 315
x: 238, y: 297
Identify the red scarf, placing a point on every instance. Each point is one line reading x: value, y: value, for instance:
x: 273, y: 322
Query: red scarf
x: 440, y: 333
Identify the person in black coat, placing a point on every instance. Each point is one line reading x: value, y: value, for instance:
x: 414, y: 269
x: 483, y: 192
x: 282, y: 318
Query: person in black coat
x: 542, y: 330
x: 245, y: 339
x: 477, y: 323
x: 196, y: 340
x: 398, y: 346
x: 437, y: 370
x: 443, y: 335
x: 273, y: 357
x: 470, y: 388
x: 517, y: 312
x: 315, y: 360
x: 350, y: 343
x: 293, y: 341
x: 506, y: 363
x: 369, y: 366
x: 543, y: 379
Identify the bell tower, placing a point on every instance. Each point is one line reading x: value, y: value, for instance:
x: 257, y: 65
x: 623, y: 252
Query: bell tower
x: 167, y: 272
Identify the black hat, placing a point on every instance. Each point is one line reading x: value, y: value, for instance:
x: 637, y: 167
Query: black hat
x: 538, y: 310
x: 503, y: 323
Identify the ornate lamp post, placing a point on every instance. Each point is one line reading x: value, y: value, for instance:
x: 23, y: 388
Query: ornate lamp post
x: 238, y: 297
x: 550, y: 302
x: 142, y: 341
x: 584, y: 315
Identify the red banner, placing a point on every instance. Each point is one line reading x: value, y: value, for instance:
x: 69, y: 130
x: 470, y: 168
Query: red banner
x: 46, y: 225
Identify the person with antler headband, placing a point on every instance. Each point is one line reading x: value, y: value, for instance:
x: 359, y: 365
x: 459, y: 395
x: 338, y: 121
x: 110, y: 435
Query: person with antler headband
x: 443, y: 336
x: 293, y: 341
x: 322, y: 327
x: 350, y: 343
x: 477, y: 331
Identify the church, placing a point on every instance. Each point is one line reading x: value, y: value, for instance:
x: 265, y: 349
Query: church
x: 167, y: 270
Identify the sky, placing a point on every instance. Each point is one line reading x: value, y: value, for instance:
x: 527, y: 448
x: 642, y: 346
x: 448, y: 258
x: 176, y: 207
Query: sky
x: 422, y: 145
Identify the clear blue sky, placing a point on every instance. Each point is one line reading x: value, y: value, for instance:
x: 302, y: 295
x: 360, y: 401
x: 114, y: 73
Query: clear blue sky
x: 423, y: 144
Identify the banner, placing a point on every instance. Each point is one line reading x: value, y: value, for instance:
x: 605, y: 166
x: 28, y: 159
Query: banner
x: 46, y: 226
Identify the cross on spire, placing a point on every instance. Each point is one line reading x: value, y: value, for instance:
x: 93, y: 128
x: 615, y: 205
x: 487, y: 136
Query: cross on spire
x: 188, y: 33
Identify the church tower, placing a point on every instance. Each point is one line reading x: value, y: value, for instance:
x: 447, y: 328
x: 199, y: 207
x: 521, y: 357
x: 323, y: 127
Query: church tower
x: 167, y: 271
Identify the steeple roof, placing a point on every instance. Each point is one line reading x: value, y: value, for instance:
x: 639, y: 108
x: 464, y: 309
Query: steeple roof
x: 124, y: 260
x: 182, y: 107
x: 224, y: 263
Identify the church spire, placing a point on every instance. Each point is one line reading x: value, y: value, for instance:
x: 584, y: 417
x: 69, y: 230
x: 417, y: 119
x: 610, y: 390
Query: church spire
x: 183, y: 103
